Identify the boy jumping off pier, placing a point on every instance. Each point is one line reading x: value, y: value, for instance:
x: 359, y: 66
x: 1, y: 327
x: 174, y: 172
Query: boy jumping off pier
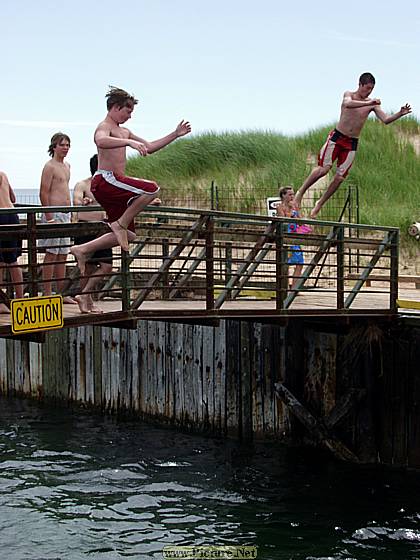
x: 341, y: 144
x: 121, y: 197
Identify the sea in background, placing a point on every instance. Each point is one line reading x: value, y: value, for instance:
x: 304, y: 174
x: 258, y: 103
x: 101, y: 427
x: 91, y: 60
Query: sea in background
x: 77, y: 485
x: 29, y: 196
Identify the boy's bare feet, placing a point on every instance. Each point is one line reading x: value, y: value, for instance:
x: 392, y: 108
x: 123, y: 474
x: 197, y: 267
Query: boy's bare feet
x: 80, y: 257
x: 120, y: 234
x: 96, y: 309
x: 86, y: 304
x: 83, y: 303
x: 69, y: 299
x: 4, y: 308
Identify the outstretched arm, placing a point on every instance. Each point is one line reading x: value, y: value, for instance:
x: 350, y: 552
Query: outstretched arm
x: 388, y: 119
x: 182, y: 129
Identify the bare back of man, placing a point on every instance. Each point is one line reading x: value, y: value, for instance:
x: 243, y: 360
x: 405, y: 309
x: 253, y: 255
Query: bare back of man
x: 341, y: 144
x: 10, y: 249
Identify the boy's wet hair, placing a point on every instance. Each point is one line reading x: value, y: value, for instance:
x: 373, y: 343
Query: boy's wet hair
x: 93, y: 162
x: 119, y: 97
x: 367, y: 78
x: 56, y: 139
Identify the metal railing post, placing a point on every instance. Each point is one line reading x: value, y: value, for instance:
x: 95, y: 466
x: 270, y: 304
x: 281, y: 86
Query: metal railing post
x: 209, y: 264
x: 394, y: 265
x: 340, y: 267
x: 228, y: 265
x: 125, y: 280
x: 32, y: 254
x: 165, y: 275
x: 282, y: 267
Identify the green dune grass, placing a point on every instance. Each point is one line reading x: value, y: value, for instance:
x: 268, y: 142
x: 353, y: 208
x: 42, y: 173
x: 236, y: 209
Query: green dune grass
x: 248, y: 166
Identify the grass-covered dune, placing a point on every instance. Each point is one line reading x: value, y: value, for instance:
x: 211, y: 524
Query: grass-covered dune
x: 249, y: 166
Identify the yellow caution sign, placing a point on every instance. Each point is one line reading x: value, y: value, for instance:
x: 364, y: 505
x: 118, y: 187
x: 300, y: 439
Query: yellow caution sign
x: 36, y: 314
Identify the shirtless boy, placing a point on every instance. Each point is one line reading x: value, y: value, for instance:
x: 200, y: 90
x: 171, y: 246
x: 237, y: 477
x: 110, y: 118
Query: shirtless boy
x: 54, y: 191
x: 10, y: 249
x: 122, y: 197
x: 341, y: 144
x: 100, y: 263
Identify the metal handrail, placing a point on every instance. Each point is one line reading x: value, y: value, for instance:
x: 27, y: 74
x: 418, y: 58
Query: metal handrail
x: 258, y: 255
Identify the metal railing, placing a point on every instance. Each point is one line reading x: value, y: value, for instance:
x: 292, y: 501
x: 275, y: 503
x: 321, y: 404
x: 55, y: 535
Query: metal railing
x: 223, y: 259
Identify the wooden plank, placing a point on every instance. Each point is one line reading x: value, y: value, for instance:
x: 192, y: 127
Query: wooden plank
x: 208, y: 366
x: 233, y: 377
x: 97, y: 364
x: 385, y: 402
x: 169, y: 364
x: 143, y: 352
x: 246, y: 396
x: 160, y: 370
x: 124, y: 373
x: 81, y: 367
x: 197, y: 380
x: 219, y: 390
x: 35, y: 369
x: 133, y: 352
x: 257, y: 380
x: 316, y: 428
x: 114, y: 362
x: 187, y: 375
x: 413, y: 400
x: 3, y: 367
x: 151, y: 368
x: 401, y: 374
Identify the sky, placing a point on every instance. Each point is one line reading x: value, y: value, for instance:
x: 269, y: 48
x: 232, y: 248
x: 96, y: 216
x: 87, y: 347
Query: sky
x: 224, y: 65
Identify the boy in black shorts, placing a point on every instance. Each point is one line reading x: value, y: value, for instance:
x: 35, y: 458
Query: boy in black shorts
x: 10, y: 248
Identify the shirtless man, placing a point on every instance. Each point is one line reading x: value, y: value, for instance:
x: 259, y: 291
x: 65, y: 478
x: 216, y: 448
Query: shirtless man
x: 100, y: 263
x: 341, y: 144
x: 54, y: 191
x: 122, y: 197
x: 10, y: 249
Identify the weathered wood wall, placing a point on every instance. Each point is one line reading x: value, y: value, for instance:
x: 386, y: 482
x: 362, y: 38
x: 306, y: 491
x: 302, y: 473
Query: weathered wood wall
x: 222, y: 380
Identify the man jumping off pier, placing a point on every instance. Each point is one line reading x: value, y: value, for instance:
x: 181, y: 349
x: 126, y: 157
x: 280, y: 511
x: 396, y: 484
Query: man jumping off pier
x: 121, y: 197
x: 341, y: 144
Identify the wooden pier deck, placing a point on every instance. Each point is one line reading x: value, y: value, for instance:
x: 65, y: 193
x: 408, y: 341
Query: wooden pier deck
x: 203, y: 266
x: 319, y: 304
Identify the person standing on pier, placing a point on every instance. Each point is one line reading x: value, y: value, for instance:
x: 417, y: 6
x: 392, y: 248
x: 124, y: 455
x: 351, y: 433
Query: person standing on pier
x: 100, y: 263
x: 287, y: 208
x: 54, y: 191
x: 341, y: 144
x: 11, y: 248
x: 122, y: 197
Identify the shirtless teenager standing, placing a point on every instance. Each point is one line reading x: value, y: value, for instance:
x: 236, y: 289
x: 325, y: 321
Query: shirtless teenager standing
x: 100, y: 263
x: 10, y: 249
x: 341, y: 144
x: 54, y: 191
x: 122, y: 197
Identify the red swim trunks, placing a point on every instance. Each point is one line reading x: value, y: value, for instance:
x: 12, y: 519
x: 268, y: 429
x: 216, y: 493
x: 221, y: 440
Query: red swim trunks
x: 115, y: 192
x: 341, y: 148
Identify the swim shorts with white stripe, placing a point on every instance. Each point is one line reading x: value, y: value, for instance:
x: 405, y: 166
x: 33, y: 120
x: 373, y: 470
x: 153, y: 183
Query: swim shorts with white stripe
x: 115, y: 192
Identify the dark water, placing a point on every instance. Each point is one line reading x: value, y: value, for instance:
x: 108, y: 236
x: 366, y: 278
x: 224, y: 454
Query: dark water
x: 76, y: 486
